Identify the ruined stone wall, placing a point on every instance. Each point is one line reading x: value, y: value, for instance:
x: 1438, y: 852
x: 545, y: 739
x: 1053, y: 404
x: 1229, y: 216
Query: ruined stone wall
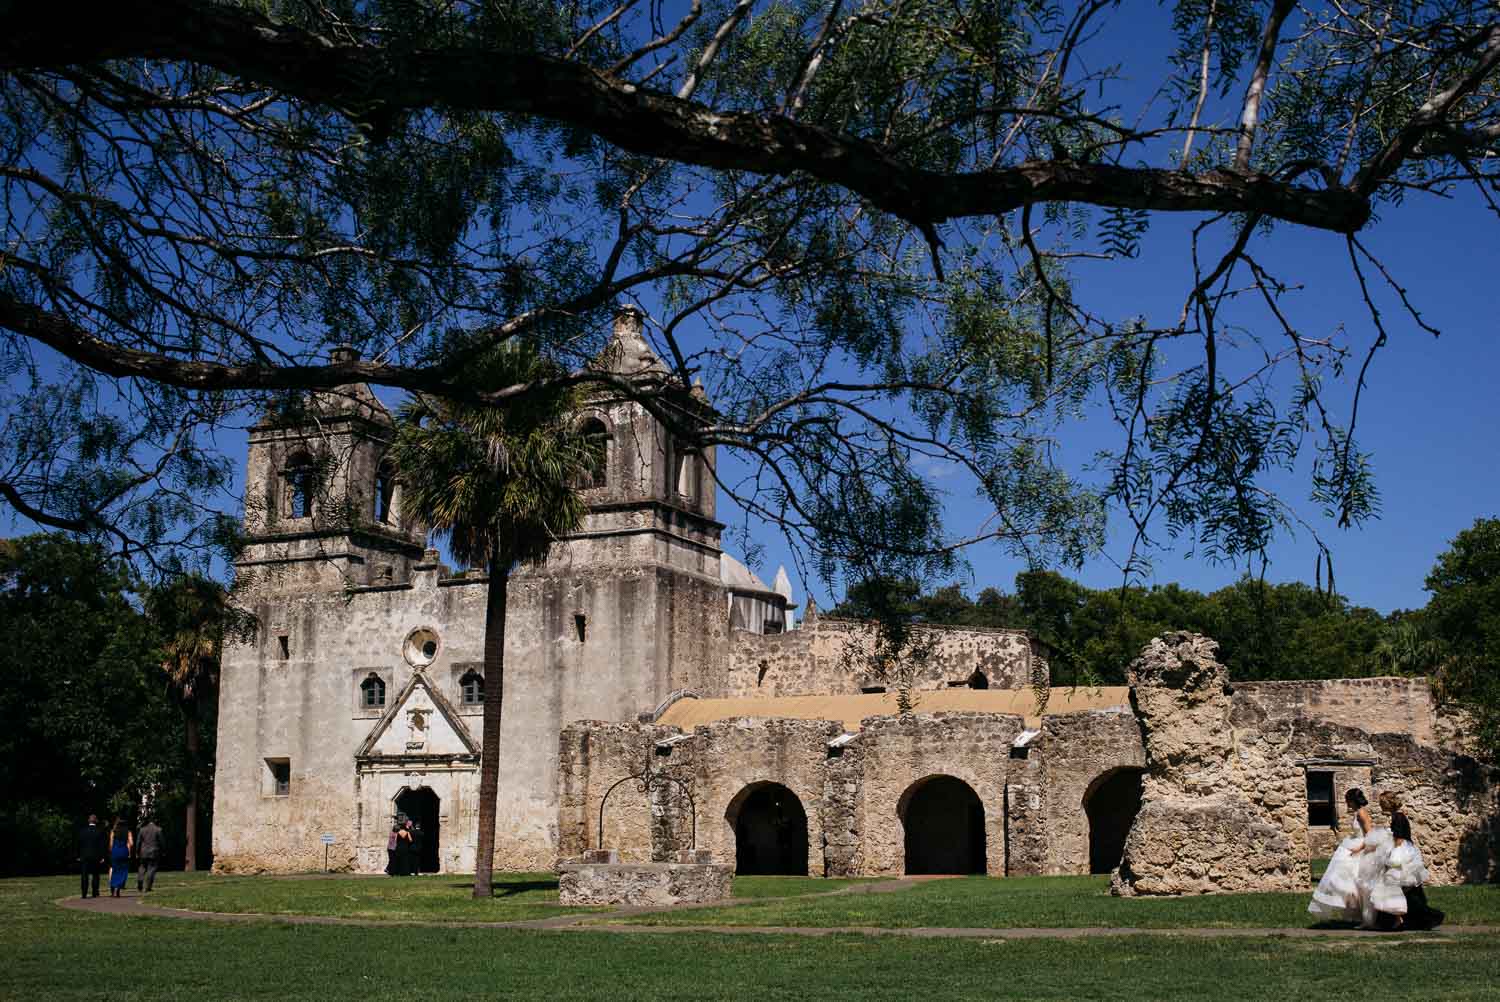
x: 733, y: 757
x: 1028, y: 802
x: 898, y: 752
x: 1076, y: 751
x: 811, y: 661
x: 1377, y: 705
x: 594, y: 756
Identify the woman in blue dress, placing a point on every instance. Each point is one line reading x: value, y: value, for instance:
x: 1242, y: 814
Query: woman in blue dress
x: 121, y: 842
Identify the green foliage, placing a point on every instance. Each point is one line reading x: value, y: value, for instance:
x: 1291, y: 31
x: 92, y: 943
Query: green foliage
x: 85, y: 697
x: 499, y: 483
x: 1464, y: 613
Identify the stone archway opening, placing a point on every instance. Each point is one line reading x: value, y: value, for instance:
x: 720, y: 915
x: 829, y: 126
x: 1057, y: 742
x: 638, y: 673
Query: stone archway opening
x: 770, y: 831
x: 1111, y: 803
x: 422, y: 807
x: 944, y: 822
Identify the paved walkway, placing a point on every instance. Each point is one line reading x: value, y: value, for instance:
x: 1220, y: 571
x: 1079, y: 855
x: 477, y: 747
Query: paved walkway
x: 132, y: 904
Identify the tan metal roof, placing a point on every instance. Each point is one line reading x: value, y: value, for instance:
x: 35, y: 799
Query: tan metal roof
x: 851, y: 709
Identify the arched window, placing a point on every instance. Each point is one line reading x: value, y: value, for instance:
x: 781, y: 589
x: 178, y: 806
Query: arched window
x: 472, y: 687
x: 372, y: 692
x: 301, y: 484
x: 385, y: 493
x: 596, y: 440
x: 685, y: 474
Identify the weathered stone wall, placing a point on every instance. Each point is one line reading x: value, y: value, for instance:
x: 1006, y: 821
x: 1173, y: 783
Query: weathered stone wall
x: 594, y: 756
x: 735, y: 756
x: 1376, y: 705
x: 899, y: 752
x: 1203, y: 827
x: 1076, y: 751
x: 811, y: 660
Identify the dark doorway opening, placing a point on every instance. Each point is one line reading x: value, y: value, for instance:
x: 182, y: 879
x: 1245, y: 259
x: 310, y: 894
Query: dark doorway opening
x: 1112, y: 802
x: 421, y: 806
x: 944, y: 823
x: 770, y: 832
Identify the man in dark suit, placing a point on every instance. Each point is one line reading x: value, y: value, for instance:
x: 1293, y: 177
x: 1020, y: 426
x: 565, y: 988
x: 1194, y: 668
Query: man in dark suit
x: 148, y: 848
x: 93, y: 846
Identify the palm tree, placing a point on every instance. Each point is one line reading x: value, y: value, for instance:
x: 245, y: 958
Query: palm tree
x: 192, y: 614
x: 502, y: 484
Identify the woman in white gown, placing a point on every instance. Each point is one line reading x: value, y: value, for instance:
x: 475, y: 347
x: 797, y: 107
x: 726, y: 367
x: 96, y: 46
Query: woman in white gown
x: 1344, y: 892
x: 1403, y: 869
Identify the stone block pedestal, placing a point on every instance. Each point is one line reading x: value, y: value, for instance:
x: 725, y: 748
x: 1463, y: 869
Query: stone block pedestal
x: 691, y: 880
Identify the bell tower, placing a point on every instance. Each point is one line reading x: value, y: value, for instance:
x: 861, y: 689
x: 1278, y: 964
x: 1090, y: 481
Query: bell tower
x: 322, y: 505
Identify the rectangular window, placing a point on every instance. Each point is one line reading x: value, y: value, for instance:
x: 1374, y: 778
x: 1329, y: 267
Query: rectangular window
x: 284, y: 647
x: 1320, y: 806
x: 279, y: 777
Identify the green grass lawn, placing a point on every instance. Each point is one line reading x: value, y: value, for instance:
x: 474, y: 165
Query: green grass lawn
x: 446, y: 897
x: 1019, y: 902
x: 518, y: 896
x: 55, y: 954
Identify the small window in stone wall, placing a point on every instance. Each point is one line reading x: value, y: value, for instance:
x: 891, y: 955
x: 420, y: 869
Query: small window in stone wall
x: 472, y: 688
x: 280, y: 776
x: 1321, y: 811
x: 372, y: 692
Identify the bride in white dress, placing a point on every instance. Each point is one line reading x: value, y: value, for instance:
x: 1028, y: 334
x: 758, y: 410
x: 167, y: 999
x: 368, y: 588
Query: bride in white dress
x: 1344, y: 892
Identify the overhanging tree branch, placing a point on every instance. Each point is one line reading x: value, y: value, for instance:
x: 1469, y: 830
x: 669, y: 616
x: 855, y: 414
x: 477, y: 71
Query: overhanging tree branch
x: 371, y: 82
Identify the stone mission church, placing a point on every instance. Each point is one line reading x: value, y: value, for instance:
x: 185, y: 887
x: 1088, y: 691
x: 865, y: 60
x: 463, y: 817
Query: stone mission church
x: 640, y: 645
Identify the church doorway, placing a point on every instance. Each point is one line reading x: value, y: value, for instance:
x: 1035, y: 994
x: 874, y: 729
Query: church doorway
x: 944, y: 823
x: 770, y: 831
x: 1111, y: 802
x: 421, y: 806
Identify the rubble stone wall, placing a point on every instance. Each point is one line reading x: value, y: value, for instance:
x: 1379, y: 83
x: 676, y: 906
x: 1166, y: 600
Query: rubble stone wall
x: 811, y: 661
x: 1377, y: 705
x: 899, y: 752
x: 1077, y: 751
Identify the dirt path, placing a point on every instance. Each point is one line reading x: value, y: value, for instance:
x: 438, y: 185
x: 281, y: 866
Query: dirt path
x: 130, y: 904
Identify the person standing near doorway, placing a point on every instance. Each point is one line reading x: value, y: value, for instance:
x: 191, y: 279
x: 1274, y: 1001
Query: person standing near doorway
x: 93, y: 846
x: 148, y: 848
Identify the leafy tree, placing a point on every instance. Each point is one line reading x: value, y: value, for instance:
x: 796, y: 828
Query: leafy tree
x: 499, y: 483
x: 192, y: 615
x: 853, y: 221
x: 89, y: 726
x: 1464, y: 612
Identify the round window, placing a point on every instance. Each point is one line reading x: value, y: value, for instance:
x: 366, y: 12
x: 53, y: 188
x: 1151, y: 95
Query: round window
x: 422, y: 646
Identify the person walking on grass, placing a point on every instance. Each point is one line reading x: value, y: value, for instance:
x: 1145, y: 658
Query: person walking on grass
x: 148, y: 847
x: 93, y: 847
x: 121, y: 843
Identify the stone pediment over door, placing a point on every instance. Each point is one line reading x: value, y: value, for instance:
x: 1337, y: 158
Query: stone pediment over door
x: 420, y: 724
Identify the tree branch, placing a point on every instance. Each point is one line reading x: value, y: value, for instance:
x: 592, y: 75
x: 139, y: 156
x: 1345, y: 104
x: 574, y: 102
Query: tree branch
x: 1257, y: 87
x: 362, y: 79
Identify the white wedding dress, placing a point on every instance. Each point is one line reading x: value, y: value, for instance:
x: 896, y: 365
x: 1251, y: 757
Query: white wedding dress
x: 1403, y: 868
x: 1338, y: 897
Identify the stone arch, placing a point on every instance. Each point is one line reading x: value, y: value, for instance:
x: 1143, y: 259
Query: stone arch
x: 770, y: 830
x: 386, y: 491
x: 1111, y: 803
x: 595, y: 432
x: 943, y: 820
x: 422, y: 805
x: 301, y: 477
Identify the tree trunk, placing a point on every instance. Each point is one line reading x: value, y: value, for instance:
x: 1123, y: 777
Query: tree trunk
x: 494, y: 691
x: 191, y: 821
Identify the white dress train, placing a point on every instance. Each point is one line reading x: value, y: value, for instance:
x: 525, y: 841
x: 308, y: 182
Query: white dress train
x: 1337, y: 897
x: 1403, y: 868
